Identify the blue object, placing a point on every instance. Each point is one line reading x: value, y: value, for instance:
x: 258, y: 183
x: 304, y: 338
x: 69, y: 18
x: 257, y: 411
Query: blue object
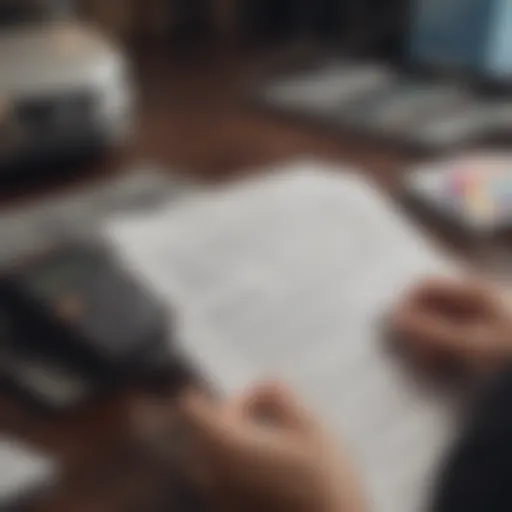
x: 470, y: 35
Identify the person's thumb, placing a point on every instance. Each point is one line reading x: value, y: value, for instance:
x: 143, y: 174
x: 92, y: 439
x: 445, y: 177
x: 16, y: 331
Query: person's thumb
x: 274, y: 403
x: 207, y: 422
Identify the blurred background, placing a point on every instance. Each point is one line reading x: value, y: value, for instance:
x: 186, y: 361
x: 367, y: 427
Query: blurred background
x: 107, y: 104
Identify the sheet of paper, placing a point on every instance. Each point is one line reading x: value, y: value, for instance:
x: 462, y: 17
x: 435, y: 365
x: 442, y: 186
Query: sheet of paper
x: 23, y: 471
x: 292, y: 276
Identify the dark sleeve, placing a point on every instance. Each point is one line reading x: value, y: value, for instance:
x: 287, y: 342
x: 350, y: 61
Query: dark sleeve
x: 478, y: 474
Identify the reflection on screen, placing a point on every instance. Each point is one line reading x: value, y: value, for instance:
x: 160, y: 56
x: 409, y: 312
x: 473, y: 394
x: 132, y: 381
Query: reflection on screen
x: 470, y: 35
x: 450, y: 32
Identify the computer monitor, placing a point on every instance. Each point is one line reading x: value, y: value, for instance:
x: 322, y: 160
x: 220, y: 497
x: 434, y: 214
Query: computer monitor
x: 473, y: 36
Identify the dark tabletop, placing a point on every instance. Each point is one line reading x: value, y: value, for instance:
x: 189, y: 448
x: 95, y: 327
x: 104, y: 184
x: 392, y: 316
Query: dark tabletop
x: 191, y: 119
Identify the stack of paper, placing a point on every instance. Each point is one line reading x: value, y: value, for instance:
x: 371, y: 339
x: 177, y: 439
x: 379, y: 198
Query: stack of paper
x: 292, y: 276
x: 27, y: 228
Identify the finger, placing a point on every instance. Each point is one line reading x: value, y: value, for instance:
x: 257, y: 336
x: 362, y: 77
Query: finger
x: 208, y: 421
x: 227, y: 437
x: 451, y: 296
x: 275, y: 403
x: 431, y: 330
x: 427, y: 330
x: 440, y: 311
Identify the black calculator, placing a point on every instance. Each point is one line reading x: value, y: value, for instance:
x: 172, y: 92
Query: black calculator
x: 78, y: 306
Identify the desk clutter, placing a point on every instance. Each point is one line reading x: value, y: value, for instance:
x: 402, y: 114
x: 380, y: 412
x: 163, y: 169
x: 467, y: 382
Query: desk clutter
x: 58, y: 292
x: 56, y: 270
x: 25, y: 227
x: 58, y: 108
x: 374, y: 100
x: 439, y: 92
x: 472, y: 190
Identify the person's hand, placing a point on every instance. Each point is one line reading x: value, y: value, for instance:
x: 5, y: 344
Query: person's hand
x: 445, y: 321
x: 265, y: 451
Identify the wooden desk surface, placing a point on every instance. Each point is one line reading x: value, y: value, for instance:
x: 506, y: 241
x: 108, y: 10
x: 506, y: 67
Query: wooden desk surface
x: 191, y: 119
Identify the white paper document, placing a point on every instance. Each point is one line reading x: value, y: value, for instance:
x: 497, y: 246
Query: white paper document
x: 291, y: 276
x: 22, y: 471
